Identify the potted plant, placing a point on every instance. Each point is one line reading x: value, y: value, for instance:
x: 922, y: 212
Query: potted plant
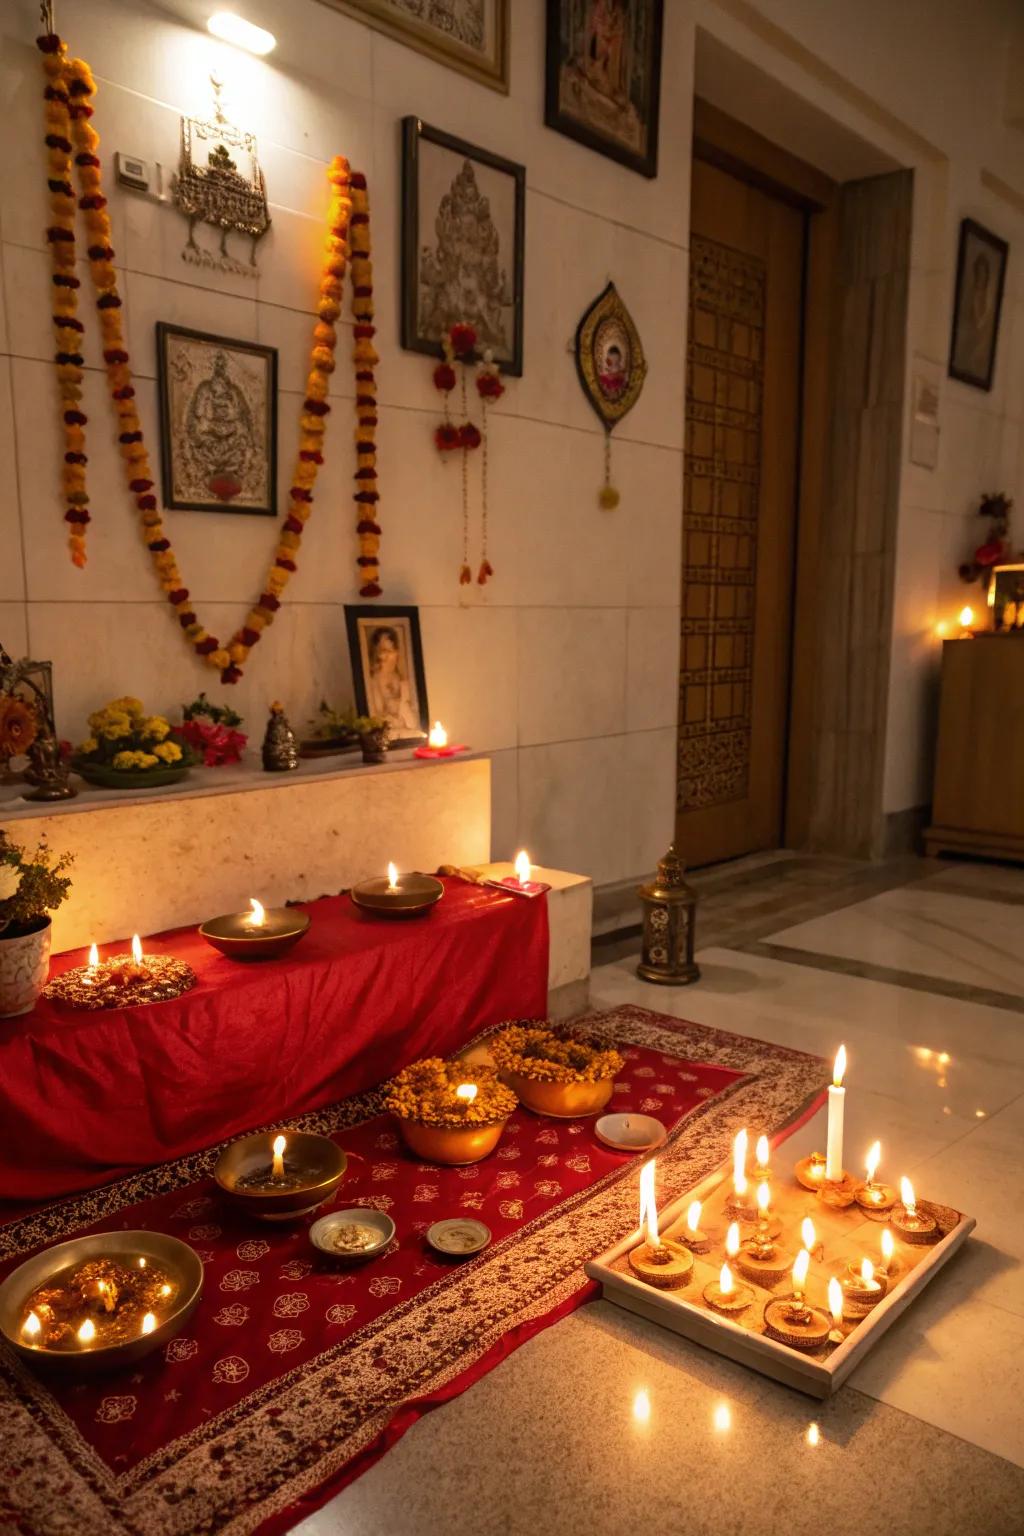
x: 330, y: 730
x: 211, y: 731
x: 31, y: 886
x: 374, y: 737
x: 129, y: 749
x: 448, y: 1111
x: 555, y: 1072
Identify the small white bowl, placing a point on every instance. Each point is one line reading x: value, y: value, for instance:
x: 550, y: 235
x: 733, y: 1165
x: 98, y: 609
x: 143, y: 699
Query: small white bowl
x: 321, y: 1233
x: 458, y: 1236
x: 630, y: 1133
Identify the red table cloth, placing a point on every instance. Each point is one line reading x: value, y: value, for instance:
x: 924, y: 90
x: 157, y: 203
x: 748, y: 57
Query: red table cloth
x: 89, y: 1096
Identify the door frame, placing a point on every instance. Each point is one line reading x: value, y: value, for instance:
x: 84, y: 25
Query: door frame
x: 741, y: 152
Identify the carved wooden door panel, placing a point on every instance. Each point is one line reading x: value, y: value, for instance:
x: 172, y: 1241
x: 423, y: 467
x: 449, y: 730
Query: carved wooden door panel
x: 739, y: 516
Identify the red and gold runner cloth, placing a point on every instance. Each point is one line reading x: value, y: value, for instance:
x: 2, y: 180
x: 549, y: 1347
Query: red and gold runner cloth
x: 297, y: 1371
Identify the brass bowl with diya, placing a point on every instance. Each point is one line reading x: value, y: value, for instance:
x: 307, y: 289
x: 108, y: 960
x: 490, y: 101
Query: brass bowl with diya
x: 409, y: 894
x: 279, y: 1177
x: 449, y: 1112
x: 100, y: 1303
x: 262, y: 933
x: 555, y: 1073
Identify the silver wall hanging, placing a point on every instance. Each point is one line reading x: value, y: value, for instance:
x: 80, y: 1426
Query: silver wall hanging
x: 211, y: 189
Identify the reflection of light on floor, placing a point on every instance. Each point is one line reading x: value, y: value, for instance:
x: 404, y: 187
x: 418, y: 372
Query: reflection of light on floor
x: 722, y: 1417
x: 641, y: 1406
x: 979, y: 1114
x: 813, y: 1434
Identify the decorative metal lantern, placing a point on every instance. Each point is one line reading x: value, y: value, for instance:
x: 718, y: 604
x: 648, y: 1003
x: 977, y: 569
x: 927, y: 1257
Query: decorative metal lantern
x: 670, y: 907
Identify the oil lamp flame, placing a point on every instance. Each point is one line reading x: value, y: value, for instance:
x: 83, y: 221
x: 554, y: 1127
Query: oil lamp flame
x: 867, y: 1271
x: 732, y: 1239
x: 801, y: 1265
x: 839, y: 1070
x: 438, y: 736
x: 523, y: 867
x: 907, y: 1195
x: 94, y: 957
x: 764, y: 1197
x: 888, y: 1246
x: 87, y: 1332
x: 693, y: 1216
x: 725, y: 1280
x: 149, y: 1322
x: 807, y: 1233
x: 835, y: 1300
x: 277, y: 1171
x: 648, y: 1208
x: 739, y: 1161
x: 165, y: 1290
x: 136, y: 949
x: 467, y: 1092
x: 873, y: 1159
x: 258, y: 915
x: 31, y: 1327
x: 392, y: 878
x: 761, y: 1152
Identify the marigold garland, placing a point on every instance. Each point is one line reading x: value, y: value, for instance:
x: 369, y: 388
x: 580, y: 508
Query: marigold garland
x: 70, y: 87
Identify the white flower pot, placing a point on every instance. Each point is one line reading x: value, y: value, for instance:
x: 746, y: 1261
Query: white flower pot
x: 24, y: 967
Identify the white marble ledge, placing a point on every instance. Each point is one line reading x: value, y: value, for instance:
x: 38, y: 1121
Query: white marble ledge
x: 570, y: 920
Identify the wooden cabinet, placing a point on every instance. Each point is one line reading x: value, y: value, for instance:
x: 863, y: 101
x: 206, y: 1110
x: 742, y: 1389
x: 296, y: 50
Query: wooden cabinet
x: 978, y: 804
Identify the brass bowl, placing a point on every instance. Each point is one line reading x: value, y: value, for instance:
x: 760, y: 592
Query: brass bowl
x: 454, y: 1145
x: 318, y: 1161
x: 236, y: 936
x: 170, y: 1253
x: 560, y: 1101
x: 414, y: 893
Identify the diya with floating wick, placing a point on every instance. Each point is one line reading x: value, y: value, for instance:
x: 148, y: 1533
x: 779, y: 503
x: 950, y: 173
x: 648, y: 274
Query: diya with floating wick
x: 279, y: 1178
x: 123, y: 981
x: 398, y: 895
x: 658, y: 1261
x: 262, y: 933
x: 759, y: 1258
x: 875, y: 1200
x: 862, y: 1288
x: 724, y: 1295
x: 914, y: 1224
x: 793, y: 1321
x: 691, y: 1235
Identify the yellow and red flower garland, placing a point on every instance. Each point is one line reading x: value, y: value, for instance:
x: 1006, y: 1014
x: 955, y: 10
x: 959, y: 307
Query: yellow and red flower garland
x: 70, y: 86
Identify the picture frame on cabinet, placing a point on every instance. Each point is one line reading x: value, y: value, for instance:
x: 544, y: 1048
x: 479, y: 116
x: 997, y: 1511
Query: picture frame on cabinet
x: 468, y: 35
x: 977, y: 304
x: 602, y: 82
x: 388, y: 677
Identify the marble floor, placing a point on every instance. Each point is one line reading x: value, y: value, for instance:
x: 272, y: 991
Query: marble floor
x: 605, y: 1424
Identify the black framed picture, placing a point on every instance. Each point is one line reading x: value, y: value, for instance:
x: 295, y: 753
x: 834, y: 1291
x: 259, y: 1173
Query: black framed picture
x: 603, y: 77
x: 387, y: 669
x: 978, y: 300
x: 463, y: 228
x: 218, y: 422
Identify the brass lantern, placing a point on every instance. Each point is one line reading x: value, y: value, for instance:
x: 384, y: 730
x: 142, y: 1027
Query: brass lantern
x: 670, y: 907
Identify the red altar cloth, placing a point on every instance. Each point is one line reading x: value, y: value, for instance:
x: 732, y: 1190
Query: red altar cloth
x: 90, y: 1096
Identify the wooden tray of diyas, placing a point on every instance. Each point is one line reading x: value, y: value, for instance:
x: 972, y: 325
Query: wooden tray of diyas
x: 844, y: 1238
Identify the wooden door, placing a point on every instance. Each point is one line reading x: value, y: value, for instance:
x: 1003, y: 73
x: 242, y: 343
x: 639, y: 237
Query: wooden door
x: 739, y: 517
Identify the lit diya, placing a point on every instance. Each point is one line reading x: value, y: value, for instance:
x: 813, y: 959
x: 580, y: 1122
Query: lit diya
x: 658, y: 1261
x: 521, y: 882
x: 438, y: 744
x: 277, y: 1178
x: 793, y: 1321
x: 874, y: 1199
x: 398, y: 895
x: 100, y: 1302
x: 262, y: 933
x: 123, y: 981
x: 862, y: 1288
x: 913, y: 1222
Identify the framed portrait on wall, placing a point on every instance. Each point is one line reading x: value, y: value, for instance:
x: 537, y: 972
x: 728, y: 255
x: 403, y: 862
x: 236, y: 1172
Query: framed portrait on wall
x: 978, y: 299
x: 218, y: 422
x: 387, y: 669
x: 463, y: 227
x: 468, y: 35
x: 603, y: 77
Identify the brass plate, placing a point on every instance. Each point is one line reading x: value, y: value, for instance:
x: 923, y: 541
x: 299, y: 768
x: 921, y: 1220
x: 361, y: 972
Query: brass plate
x: 235, y: 936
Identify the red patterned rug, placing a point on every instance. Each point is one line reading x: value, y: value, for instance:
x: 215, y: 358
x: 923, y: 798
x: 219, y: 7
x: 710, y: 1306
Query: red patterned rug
x: 295, y: 1372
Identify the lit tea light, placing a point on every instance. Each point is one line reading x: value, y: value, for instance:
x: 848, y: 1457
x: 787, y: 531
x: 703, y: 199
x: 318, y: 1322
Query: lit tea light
x: 521, y: 881
x: 691, y: 1235
x: 658, y: 1260
x: 87, y: 1333
x: 915, y: 1225
x: 723, y: 1294
x: 438, y: 736
x: 862, y: 1287
x: 758, y: 1259
x: 277, y: 1167
x: 836, y: 1098
x: 149, y: 1322
x: 762, y: 1152
x: 872, y: 1196
x: 888, y: 1265
x: 794, y: 1321
x: 438, y: 744
x: 466, y: 1093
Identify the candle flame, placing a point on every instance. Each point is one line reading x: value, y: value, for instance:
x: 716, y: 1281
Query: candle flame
x: 523, y: 867
x: 31, y: 1326
x: 807, y: 1233
x: 165, y: 1290
x: 94, y: 957
x: 761, y: 1152
x: 764, y: 1196
x: 392, y: 878
x: 835, y: 1300
x: 801, y: 1265
x: 888, y: 1246
x: 813, y: 1434
x: 732, y: 1239
x: 648, y: 1208
x: 87, y: 1332
x: 966, y: 617
x: 149, y: 1322
x: 467, y: 1092
x: 907, y: 1195
x: 136, y: 949
x: 874, y: 1157
x: 280, y: 1142
x: 739, y: 1162
x: 142, y: 1263
x: 867, y: 1271
x: 438, y: 737
x: 693, y: 1216
x: 839, y: 1070
x: 725, y: 1280
x: 258, y: 915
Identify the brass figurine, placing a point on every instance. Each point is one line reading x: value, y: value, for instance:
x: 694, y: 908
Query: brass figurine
x: 280, y: 751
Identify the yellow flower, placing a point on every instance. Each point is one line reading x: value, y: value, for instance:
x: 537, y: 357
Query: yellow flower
x: 156, y: 728
x: 168, y: 752
x: 128, y: 706
x: 88, y: 746
x: 111, y: 724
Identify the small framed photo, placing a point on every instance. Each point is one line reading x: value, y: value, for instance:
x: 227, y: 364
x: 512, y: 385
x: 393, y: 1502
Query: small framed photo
x: 387, y: 669
x: 603, y: 77
x: 980, y: 278
x: 218, y: 422
x: 467, y: 35
x: 463, y: 227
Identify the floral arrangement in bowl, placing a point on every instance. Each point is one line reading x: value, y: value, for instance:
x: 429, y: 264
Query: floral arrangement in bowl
x: 448, y: 1111
x: 330, y: 730
x: 211, y: 731
x: 555, y: 1072
x: 129, y: 749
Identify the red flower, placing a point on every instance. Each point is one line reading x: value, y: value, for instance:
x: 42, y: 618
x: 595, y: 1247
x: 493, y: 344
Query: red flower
x: 469, y: 436
x: 447, y: 437
x: 444, y: 377
x: 990, y: 553
x: 217, y: 744
x: 489, y: 386
x: 463, y: 338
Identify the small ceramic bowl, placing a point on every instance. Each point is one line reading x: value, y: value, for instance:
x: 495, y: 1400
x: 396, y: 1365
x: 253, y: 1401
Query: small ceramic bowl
x: 630, y: 1133
x: 321, y: 1233
x: 458, y: 1236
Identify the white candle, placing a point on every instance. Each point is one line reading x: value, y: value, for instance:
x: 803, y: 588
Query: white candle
x: 648, y: 1206
x: 836, y: 1096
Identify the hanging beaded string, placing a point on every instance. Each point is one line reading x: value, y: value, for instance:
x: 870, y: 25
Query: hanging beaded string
x: 608, y: 497
x: 490, y: 388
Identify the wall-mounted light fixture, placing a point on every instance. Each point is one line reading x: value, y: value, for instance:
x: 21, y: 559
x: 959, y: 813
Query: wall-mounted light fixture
x: 241, y: 33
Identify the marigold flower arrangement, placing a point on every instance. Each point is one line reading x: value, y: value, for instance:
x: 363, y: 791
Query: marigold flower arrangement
x: 425, y: 1092
x: 126, y: 739
x: 534, y: 1051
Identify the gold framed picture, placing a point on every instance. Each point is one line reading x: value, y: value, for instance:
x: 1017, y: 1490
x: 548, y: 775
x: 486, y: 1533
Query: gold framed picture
x: 468, y: 35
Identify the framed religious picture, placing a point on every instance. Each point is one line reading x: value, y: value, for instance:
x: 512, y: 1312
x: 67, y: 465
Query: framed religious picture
x: 387, y: 669
x: 468, y: 35
x: 218, y: 422
x: 603, y: 77
x: 980, y: 277
x: 463, y: 226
